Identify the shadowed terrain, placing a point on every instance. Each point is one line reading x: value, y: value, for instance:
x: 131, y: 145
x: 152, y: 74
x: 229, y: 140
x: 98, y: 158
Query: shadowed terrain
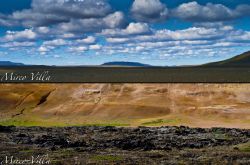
x: 233, y: 70
x: 194, y: 105
x: 242, y: 60
x: 112, y: 145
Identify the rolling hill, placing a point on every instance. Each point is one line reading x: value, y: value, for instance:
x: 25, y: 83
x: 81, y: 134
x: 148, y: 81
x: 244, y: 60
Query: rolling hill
x: 9, y: 63
x: 128, y: 64
x: 242, y: 60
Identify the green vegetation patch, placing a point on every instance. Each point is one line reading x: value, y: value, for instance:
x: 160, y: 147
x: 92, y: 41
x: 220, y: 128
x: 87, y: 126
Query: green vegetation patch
x: 106, y: 158
x: 244, y: 147
x: 16, y: 122
x: 161, y: 122
x: 107, y: 124
x: 28, y: 123
x: 221, y: 136
x: 27, y: 151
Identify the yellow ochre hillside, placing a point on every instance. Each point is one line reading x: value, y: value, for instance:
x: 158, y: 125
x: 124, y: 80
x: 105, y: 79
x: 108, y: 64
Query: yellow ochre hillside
x: 195, y: 105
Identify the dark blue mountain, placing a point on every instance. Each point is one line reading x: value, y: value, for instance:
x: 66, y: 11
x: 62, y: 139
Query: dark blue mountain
x: 9, y: 63
x: 128, y: 64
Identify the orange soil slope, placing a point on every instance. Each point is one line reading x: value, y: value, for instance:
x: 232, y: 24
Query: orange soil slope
x: 195, y: 105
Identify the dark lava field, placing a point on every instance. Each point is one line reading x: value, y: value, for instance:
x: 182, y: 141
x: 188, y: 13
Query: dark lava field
x: 114, y: 145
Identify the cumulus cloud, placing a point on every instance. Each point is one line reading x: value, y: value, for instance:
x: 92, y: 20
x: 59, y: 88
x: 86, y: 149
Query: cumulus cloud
x: 132, y: 29
x: 50, y: 45
x: 79, y: 49
x: 95, y: 47
x: 66, y: 16
x: 208, y: 41
x: 17, y: 44
x: 117, y: 40
x: 49, y: 12
x: 113, y: 20
x: 149, y: 11
x: 92, y: 27
x: 195, y: 12
x: 193, y: 33
x: 72, y: 8
x: 68, y: 35
x: 120, y: 35
x: 27, y: 34
x: 56, y: 42
x: 43, y: 49
x: 88, y: 40
x: 43, y: 30
x: 239, y: 36
x: 6, y: 21
x: 38, y: 33
x: 137, y: 28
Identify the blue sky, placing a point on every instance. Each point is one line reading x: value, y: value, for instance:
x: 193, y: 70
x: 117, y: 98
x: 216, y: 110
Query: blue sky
x: 91, y: 32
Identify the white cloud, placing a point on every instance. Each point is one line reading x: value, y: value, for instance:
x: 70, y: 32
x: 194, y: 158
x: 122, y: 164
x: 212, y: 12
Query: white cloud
x: 117, y: 40
x: 132, y: 29
x: 137, y: 28
x: 239, y: 36
x: 149, y: 11
x: 79, y: 49
x: 66, y: 19
x: 192, y: 11
x: 88, y: 40
x: 43, y: 49
x: 114, y: 20
x: 5, y: 21
x: 17, y: 44
x: 139, y: 48
x: 191, y: 42
x: 56, y: 42
x: 27, y: 34
x: 68, y: 35
x: 73, y: 8
x: 193, y: 33
x: 84, y: 27
x: 43, y: 30
x: 95, y: 47
x: 51, y: 12
x: 48, y: 46
x: 57, y: 56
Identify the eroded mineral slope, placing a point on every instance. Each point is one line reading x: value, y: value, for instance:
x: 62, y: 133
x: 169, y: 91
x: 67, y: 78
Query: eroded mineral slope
x: 195, y: 105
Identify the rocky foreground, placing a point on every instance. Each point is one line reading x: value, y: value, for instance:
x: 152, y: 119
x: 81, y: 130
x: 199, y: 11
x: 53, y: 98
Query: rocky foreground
x: 113, y: 145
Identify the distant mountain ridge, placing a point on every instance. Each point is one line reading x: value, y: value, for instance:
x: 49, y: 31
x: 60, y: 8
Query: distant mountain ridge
x: 9, y: 63
x: 240, y: 60
x: 123, y: 63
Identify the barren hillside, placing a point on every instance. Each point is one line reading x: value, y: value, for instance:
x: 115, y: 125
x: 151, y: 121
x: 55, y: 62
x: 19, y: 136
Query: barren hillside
x: 195, y: 105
